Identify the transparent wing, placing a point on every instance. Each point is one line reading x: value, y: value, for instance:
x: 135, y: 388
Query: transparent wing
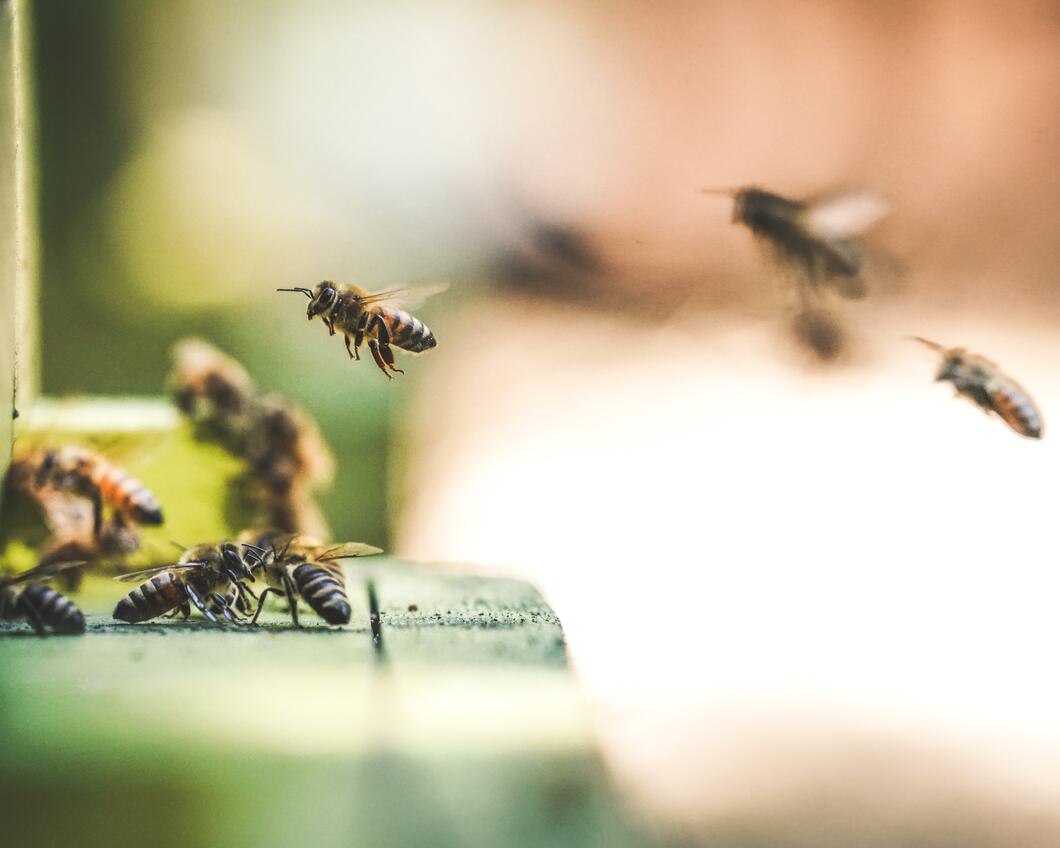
x: 347, y: 549
x: 408, y: 295
x: 41, y: 572
x: 844, y: 215
x: 131, y: 576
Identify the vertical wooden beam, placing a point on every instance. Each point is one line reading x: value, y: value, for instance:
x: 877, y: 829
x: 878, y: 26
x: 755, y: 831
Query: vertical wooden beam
x: 18, y: 360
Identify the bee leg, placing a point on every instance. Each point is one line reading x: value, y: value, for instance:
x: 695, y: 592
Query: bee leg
x: 292, y: 599
x: 374, y: 348
x: 261, y: 602
x: 185, y: 610
x: 222, y: 605
x: 34, y: 618
x: 97, y: 514
x: 353, y: 352
x: 193, y: 596
x: 382, y: 334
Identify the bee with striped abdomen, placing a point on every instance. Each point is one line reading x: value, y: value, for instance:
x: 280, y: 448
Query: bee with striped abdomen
x: 90, y: 475
x: 361, y: 315
x: 818, y: 236
x: 297, y: 566
x: 41, y: 606
x: 983, y: 383
x: 210, y: 578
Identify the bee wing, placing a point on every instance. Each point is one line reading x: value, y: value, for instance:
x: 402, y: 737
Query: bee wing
x: 347, y: 549
x: 42, y: 572
x: 408, y: 295
x: 844, y: 215
x: 131, y: 576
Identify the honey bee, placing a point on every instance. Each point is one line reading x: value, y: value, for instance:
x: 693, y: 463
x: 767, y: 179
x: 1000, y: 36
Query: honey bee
x: 212, y: 578
x: 815, y: 236
x: 298, y: 566
x: 41, y: 606
x: 87, y: 474
x: 213, y: 391
x: 285, y: 453
x: 360, y: 315
x: 982, y: 382
x: 288, y: 458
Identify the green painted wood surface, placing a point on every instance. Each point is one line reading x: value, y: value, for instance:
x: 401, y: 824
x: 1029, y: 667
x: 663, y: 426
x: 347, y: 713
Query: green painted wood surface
x: 466, y: 728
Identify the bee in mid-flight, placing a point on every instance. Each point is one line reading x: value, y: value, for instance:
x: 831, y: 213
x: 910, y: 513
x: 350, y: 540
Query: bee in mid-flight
x: 211, y: 578
x: 87, y: 474
x: 982, y: 382
x: 41, y: 606
x: 818, y: 237
x: 361, y: 315
x: 297, y: 566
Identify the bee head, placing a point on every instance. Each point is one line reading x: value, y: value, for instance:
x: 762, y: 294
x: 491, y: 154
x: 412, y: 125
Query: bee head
x: 233, y: 564
x: 323, y: 298
x: 950, y: 368
x: 762, y: 210
x: 47, y: 463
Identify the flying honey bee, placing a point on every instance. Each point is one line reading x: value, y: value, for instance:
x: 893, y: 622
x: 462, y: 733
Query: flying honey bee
x: 818, y: 236
x: 41, y: 606
x: 983, y: 383
x: 211, y: 578
x: 362, y: 315
x: 297, y: 566
x: 87, y: 474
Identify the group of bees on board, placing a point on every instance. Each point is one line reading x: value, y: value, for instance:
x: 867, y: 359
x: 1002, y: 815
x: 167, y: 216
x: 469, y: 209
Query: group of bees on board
x: 286, y: 458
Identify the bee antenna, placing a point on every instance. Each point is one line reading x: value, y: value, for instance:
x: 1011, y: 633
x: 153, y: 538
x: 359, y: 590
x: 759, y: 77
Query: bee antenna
x: 306, y: 292
x: 928, y: 342
x: 728, y: 192
x: 179, y: 546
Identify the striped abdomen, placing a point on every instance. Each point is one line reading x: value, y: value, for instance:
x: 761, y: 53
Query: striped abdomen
x: 323, y: 591
x: 127, y: 494
x: 1016, y: 408
x: 152, y: 598
x: 51, y: 609
x: 406, y: 332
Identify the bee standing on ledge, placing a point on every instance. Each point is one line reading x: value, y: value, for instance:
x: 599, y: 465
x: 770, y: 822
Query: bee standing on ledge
x: 87, y: 474
x: 983, y: 383
x: 298, y: 566
x: 208, y: 577
x: 362, y: 315
x: 41, y: 606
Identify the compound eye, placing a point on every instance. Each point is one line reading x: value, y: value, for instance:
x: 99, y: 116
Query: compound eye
x: 328, y: 297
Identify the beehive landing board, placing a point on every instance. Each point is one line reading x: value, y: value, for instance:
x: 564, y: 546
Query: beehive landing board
x: 463, y: 727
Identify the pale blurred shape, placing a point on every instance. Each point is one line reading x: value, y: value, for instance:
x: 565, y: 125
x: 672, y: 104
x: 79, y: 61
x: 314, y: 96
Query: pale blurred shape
x: 738, y: 547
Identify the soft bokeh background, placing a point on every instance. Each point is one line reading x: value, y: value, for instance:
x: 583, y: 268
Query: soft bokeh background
x: 811, y: 605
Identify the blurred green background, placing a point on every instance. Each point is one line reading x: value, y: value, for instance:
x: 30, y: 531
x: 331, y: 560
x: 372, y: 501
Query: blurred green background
x: 179, y: 187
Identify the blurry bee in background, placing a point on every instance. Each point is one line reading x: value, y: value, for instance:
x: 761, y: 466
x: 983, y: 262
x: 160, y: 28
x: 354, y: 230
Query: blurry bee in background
x: 288, y: 458
x: 361, y: 315
x: 87, y: 474
x: 982, y: 382
x: 41, y: 606
x: 817, y: 237
x: 213, y: 391
x: 297, y: 566
x: 211, y: 578
x: 286, y: 455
